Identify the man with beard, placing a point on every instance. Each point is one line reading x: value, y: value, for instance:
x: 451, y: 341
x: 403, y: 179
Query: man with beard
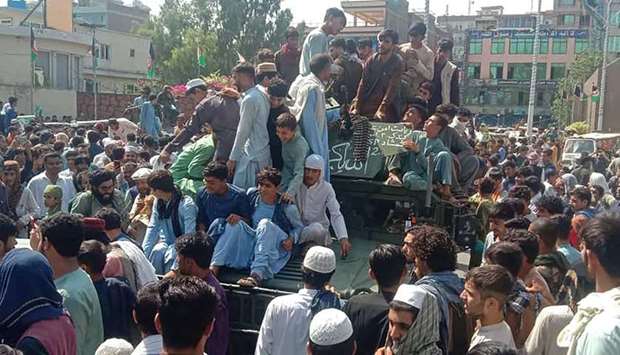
x: 378, y: 91
x: 137, y: 222
x: 413, y: 323
x: 194, y: 252
x: 219, y: 111
x: 102, y: 194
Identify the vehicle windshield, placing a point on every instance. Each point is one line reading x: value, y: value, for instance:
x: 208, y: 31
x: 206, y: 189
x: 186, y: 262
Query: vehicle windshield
x: 578, y: 146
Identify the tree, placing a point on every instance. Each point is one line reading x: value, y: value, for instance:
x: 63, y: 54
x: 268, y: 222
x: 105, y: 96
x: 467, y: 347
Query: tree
x: 221, y: 28
x: 578, y: 72
x: 245, y: 26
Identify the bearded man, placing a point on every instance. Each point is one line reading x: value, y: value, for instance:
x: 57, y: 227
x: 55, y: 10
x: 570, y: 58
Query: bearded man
x: 103, y: 193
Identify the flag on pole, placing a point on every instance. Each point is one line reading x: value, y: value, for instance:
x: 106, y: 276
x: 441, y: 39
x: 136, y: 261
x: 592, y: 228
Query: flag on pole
x: 34, y: 51
x: 150, y: 64
x: 93, y: 51
x: 201, y: 57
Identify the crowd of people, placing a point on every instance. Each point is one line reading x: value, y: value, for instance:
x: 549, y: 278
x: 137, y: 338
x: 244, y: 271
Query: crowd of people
x: 128, y: 232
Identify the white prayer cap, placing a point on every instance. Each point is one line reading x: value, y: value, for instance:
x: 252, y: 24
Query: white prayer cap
x: 320, y: 259
x: 193, y: 84
x: 114, y: 346
x: 411, y: 294
x: 141, y: 174
x: 132, y: 149
x: 107, y: 141
x: 315, y: 162
x: 330, y: 327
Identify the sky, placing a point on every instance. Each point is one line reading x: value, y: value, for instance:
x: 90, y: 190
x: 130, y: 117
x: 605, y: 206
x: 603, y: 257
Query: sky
x: 312, y: 11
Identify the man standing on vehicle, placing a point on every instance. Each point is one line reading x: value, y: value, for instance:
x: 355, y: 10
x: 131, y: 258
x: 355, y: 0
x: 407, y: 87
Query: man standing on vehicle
x: 317, y: 41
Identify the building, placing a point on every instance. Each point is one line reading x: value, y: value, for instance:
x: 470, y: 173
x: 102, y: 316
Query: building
x: 64, y: 64
x: 121, y: 61
x: 366, y: 18
x: 587, y: 110
x: 51, y: 83
x: 498, y: 68
x: 111, y: 14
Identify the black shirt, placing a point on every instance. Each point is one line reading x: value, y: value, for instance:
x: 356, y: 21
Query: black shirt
x: 369, y: 317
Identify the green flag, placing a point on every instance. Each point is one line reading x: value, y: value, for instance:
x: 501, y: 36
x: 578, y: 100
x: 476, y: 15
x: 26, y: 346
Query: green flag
x: 202, y: 58
x: 34, y: 51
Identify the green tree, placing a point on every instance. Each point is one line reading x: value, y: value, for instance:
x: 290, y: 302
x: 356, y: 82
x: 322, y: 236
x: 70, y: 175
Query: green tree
x: 182, y: 64
x: 578, y: 72
x: 245, y: 26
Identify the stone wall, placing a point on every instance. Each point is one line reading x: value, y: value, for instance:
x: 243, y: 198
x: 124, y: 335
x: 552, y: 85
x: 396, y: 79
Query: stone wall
x: 114, y: 105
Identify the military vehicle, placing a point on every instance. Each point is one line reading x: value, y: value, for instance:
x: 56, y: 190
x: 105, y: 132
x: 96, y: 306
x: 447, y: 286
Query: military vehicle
x: 374, y: 213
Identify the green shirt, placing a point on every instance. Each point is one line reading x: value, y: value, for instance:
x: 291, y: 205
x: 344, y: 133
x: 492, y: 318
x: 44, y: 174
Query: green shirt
x: 187, y: 169
x: 294, y: 155
x: 81, y: 300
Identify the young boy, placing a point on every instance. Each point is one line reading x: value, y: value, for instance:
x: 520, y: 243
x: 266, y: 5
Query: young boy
x: 277, y: 91
x: 52, y: 200
x: 521, y: 306
x: 484, y: 296
x: 294, y: 152
x: 115, y: 297
x: 500, y: 213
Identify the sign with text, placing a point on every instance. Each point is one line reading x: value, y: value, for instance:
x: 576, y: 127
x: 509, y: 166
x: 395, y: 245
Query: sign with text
x: 386, y: 139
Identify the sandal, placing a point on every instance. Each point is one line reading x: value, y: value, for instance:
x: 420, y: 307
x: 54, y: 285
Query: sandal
x: 248, y: 282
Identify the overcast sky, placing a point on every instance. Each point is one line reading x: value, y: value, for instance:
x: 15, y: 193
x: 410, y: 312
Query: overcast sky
x: 312, y: 10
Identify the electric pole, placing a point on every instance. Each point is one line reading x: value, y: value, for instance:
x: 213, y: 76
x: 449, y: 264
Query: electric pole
x: 532, y: 103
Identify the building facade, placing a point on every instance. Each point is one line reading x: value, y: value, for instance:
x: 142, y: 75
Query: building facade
x: 111, y: 14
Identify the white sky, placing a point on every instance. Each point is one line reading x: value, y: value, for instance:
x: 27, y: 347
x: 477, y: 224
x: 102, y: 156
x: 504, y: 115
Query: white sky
x: 312, y: 11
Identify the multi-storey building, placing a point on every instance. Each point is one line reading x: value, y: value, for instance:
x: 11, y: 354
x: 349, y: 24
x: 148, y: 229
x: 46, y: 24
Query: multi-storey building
x: 111, y: 14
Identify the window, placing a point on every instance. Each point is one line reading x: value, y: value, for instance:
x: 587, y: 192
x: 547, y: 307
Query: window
x: 497, y: 46
x: 42, y: 70
x: 567, y: 20
x: 522, y: 46
x: 130, y: 89
x: 615, y: 18
x: 523, y: 71
x: 61, y: 79
x: 540, y: 98
x: 497, y: 71
x: 559, y: 46
x: 543, y: 47
x: 102, y: 51
x: 567, y: 2
x: 523, y: 98
x: 475, y: 46
x: 6, y: 21
x: 584, y: 20
x: 581, y: 45
x: 473, y: 71
x: 557, y: 71
x: 132, y: 53
x: 614, y: 44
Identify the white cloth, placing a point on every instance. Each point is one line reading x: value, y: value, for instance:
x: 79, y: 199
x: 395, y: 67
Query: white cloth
x: 38, y: 184
x: 320, y: 259
x: 300, y: 93
x: 114, y: 346
x: 125, y: 127
x: 595, y: 328
x: 460, y: 127
x: 26, y: 207
x: 101, y: 160
x: 499, y: 332
x: 284, y: 330
x: 313, y: 201
x: 145, y: 272
x: 549, y: 322
x: 151, y: 345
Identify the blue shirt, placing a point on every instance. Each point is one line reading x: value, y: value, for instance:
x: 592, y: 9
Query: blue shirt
x: 212, y: 206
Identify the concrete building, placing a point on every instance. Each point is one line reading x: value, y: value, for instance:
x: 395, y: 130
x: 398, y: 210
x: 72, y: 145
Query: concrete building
x: 64, y: 67
x: 366, y: 18
x: 498, y: 68
x: 121, y: 62
x: 56, y: 72
x: 112, y: 14
x: 587, y: 110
